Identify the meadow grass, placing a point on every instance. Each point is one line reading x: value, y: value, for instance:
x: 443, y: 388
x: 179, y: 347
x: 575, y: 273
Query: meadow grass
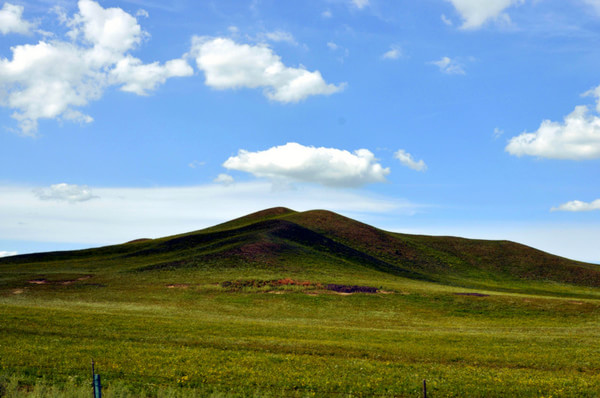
x: 200, y: 339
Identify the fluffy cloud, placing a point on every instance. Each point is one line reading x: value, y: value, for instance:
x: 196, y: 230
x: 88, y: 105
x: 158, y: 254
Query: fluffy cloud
x: 11, y: 20
x: 278, y: 36
x: 577, y: 138
x: 393, y: 53
x: 225, y: 179
x: 229, y: 65
x: 577, y: 205
x: 476, y: 12
x: 51, y: 79
x: 360, y: 4
x: 447, y: 21
x: 325, y: 166
x: 449, y: 66
x: 6, y: 254
x: 140, y: 78
x: 122, y: 214
x: 407, y: 160
x: 594, y: 3
x: 65, y: 193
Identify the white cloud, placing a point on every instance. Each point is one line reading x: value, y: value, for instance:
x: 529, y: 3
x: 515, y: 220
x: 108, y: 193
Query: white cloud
x: 449, y: 66
x: 475, y: 13
x: 577, y: 138
x: 195, y: 164
x: 11, y: 20
x: 325, y: 166
x: 394, y: 52
x: 140, y: 78
x: 122, y: 214
x: 6, y: 254
x: 342, y: 52
x: 326, y: 14
x: 51, y: 79
x: 446, y: 20
x: 498, y: 132
x: 278, y: 36
x: 228, y: 65
x: 65, y: 193
x: 224, y: 179
x: 577, y: 205
x: 407, y: 160
x: 594, y: 3
x: 360, y: 4
x: 142, y: 13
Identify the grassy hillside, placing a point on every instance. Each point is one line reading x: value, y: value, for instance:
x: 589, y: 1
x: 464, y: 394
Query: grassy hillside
x: 244, y: 308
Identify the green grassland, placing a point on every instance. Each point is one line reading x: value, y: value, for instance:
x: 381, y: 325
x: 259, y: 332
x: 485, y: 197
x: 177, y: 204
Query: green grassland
x: 203, y: 314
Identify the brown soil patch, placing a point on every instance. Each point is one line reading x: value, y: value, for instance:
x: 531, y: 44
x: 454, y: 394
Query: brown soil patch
x: 576, y: 302
x: 38, y: 281
x: 17, y: 291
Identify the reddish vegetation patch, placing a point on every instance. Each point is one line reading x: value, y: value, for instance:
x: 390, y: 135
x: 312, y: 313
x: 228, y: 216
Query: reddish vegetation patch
x: 138, y: 240
x: 258, y: 250
x: 472, y: 294
x: 366, y: 237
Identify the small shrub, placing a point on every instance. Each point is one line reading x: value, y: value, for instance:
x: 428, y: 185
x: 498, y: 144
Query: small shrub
x: 351, y: 289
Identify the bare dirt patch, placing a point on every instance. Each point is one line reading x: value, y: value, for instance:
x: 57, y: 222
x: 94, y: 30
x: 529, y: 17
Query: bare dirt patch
x: 178, y: 286
x: 38, y: 281
x: 18, y: 291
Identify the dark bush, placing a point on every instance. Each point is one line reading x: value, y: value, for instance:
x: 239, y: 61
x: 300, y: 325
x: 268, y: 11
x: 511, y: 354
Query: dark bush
x: 351, y: 289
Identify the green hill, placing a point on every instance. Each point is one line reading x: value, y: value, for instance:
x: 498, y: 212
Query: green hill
x: 281, y: 238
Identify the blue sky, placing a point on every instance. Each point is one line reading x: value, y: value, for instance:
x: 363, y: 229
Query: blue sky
x: 130, y: 119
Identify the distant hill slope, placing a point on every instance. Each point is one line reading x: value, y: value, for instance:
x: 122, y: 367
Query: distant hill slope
x: 281, y: 237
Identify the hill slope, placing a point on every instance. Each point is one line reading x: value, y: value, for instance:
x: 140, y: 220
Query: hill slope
x: 282, y: 239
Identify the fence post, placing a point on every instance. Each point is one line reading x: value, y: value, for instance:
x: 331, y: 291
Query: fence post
x: 424, y: 388
x: 97, y: 387
x: 93, y: 383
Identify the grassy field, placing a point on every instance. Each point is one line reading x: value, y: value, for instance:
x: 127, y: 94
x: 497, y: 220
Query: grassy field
x: 226, y: 327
